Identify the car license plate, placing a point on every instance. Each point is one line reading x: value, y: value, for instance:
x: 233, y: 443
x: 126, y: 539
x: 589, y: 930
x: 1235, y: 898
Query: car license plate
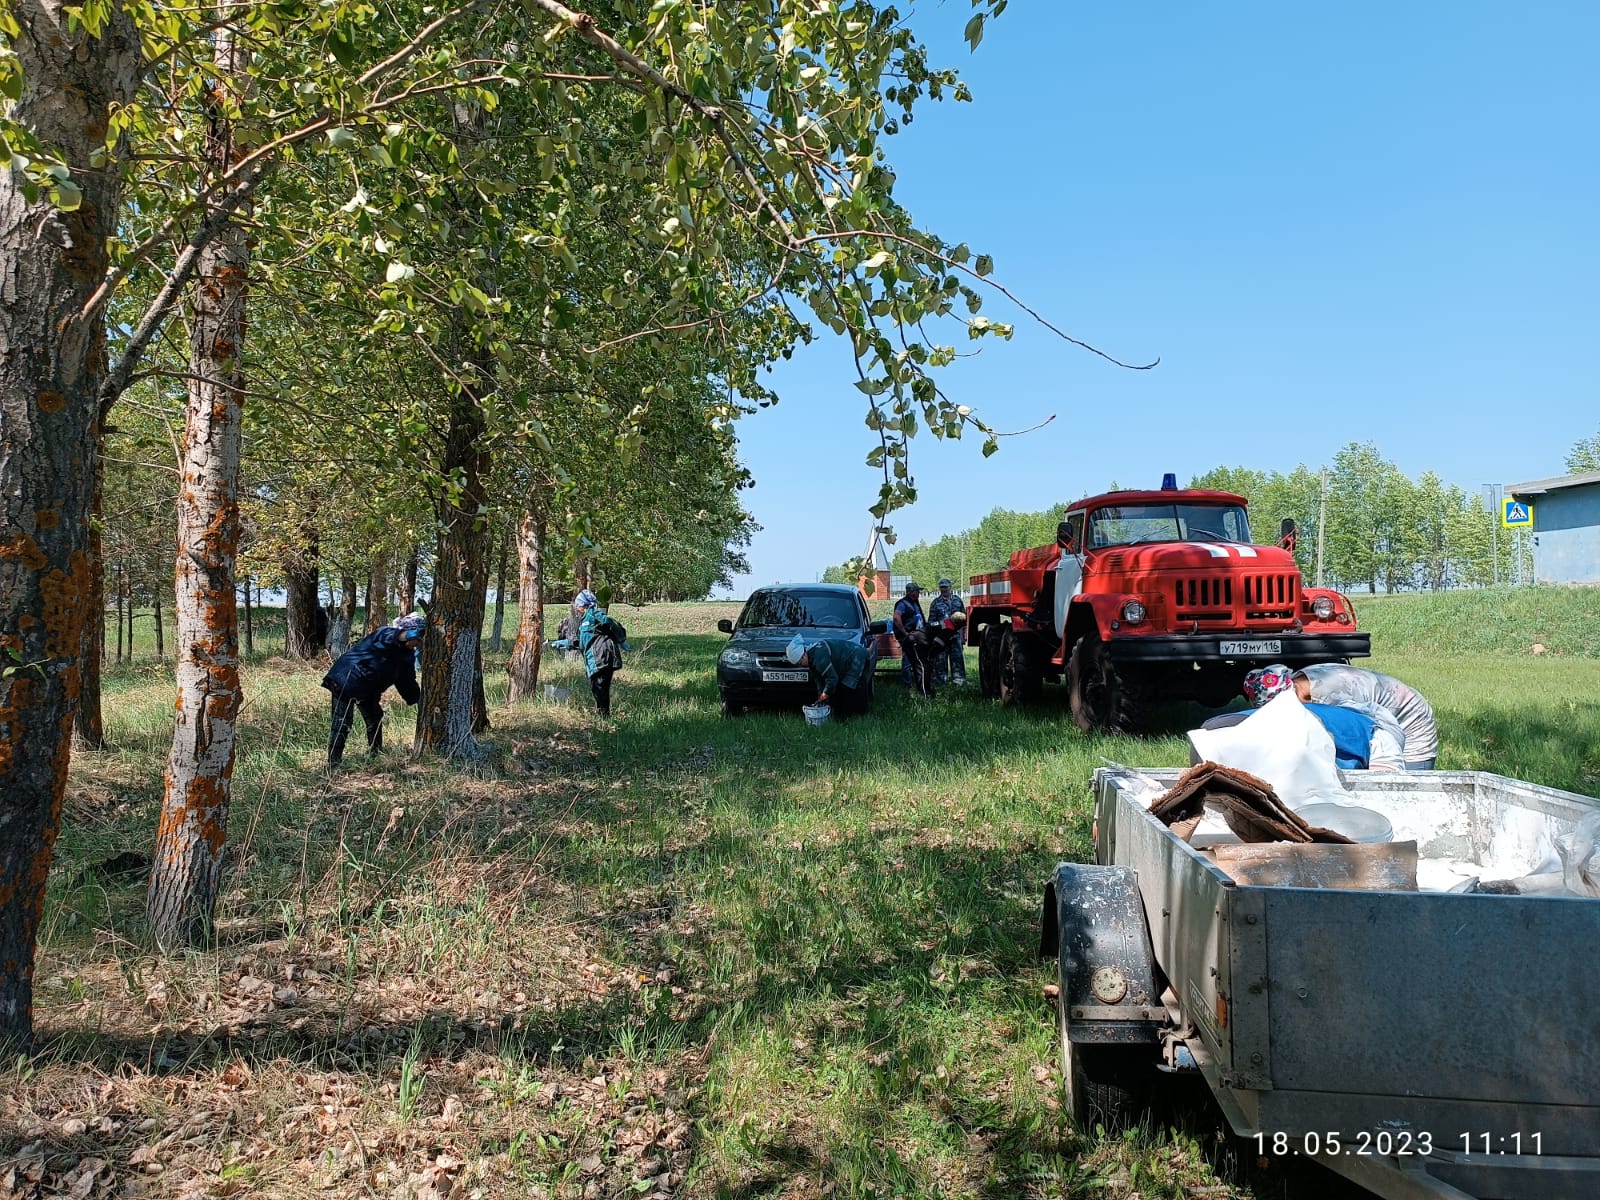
x: 785, y: 676
x: 1261, y: 648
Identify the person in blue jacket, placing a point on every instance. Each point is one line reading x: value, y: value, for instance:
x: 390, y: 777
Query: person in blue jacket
x: 1361, y: 739
x: 602, y: 641
x: 379, y: 661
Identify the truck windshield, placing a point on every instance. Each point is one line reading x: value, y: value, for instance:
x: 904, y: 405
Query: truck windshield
x: 825, y: 610
x: 1122, y: 525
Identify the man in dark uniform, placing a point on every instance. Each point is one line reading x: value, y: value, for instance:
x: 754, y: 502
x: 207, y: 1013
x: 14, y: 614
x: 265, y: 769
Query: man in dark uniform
x: 840, y: 668
x: 908, y: 619
x: 379, y: 661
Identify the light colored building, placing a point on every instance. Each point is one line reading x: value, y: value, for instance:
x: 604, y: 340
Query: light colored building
x: 1566, y: 526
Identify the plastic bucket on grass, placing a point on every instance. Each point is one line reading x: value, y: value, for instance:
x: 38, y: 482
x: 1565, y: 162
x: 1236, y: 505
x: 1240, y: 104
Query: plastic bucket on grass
x: 816, y: 714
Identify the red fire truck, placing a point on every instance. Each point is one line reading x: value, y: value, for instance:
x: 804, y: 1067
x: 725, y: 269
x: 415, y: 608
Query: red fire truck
x: 1151, y: 595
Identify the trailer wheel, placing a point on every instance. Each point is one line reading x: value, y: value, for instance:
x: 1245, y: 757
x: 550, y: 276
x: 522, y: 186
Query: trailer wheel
x: 989, y: 661
x: 1020, y: 672
x: 1101, y: 701
x: 1103, y: 1085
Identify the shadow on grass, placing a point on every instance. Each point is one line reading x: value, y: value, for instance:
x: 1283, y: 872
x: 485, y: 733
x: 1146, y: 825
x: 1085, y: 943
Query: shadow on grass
x: 900, y: 924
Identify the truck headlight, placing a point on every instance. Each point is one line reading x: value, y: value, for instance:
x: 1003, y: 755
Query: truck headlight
x: 1322, y: 608
x: 1133, y: 612
x: 735, y: 657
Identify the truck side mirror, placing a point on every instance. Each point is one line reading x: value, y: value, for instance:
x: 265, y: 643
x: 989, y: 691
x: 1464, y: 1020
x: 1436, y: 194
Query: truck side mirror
x: 1064, y: 537
x: 1287, y: 533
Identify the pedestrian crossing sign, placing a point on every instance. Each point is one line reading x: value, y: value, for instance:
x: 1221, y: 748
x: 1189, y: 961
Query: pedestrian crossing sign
x: 1516, y: 514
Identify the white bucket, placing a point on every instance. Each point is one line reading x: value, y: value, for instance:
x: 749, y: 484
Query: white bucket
x: 1356, y: 823
x: 816, y: 714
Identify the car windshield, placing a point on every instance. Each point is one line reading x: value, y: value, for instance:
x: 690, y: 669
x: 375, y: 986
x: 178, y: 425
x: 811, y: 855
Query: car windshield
x: 1121, y: 525
x: 823, y: 610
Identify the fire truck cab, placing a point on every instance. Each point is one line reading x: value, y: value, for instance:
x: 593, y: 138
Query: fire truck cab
x: 1147, y: 596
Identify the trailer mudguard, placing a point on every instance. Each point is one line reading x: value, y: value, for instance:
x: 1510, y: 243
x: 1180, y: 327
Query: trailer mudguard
x: 1093, y: 924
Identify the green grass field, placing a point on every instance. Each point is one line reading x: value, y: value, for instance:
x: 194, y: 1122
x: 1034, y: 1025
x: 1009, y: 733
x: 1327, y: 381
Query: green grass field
x: 668, y: 955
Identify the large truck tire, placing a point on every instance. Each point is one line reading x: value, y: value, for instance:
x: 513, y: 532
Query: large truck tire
x: 989, y: 661
x: 1102, y: 701
x: 1021, y: 667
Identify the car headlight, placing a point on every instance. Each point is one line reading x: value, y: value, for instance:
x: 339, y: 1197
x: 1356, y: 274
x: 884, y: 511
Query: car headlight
x: 1133, y: 612
x: 1322, y: 608
x: 735, y: 657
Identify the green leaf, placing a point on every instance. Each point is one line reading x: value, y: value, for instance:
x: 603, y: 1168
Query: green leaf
x: 66, y: 196
x: 984, y: 265
x: 398, y: 271
x: 974, y: 31
x: 341, y: 138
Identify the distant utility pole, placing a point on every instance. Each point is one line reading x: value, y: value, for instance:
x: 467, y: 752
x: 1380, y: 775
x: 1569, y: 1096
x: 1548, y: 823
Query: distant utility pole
x: 1322, y: 523
x: 1494, y: 528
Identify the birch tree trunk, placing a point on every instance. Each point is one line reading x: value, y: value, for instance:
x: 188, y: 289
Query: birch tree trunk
x: 52, y: 361
x: 480, y: 699
x: 524, y: 666
x: 378, y: 593
x: 455, y: 618
x: 300, y: 607
x: 500, y: 564
x: 339, y: 636
x: 408, y: 583
x: 186, y: 873
x: 249, y: 619
x: 120, y: 610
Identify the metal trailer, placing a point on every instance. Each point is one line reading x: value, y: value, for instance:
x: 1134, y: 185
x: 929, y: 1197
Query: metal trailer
x: 1423, y: 1044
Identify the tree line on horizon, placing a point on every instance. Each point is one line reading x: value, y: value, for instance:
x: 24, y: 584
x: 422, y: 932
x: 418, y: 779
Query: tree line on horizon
x: 1383, y: 530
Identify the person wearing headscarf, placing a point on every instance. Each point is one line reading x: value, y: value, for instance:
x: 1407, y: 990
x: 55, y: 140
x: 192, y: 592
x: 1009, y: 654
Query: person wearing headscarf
x: 1363, y: 736
x: 602, y: 640
x: 840, y: 668
x: 358, y: 679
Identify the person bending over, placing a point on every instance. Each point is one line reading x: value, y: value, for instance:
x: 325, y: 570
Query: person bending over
x: 379, y: 661
x: 840, y: 670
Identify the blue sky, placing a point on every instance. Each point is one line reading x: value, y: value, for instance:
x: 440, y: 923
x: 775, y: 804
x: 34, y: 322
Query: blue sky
x: 1335, y: 223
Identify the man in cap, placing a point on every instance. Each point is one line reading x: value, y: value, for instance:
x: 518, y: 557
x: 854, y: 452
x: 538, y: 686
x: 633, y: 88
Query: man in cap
x: 908, y: 619
x: 840, y: 668
x: 949, y: 659
x: 379, y: 661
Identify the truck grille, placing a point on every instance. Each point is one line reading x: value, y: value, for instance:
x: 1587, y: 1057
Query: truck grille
x: 1207, y: 598
x: 1211, y: 598
x: 1271, y: 597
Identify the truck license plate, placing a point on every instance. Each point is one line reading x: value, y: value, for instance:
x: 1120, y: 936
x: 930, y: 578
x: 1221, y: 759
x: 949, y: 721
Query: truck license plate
x: 1256, y: 649
x: 785, y: 676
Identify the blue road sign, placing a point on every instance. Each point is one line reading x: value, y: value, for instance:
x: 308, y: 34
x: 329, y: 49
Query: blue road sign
x: 1516, y: 514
